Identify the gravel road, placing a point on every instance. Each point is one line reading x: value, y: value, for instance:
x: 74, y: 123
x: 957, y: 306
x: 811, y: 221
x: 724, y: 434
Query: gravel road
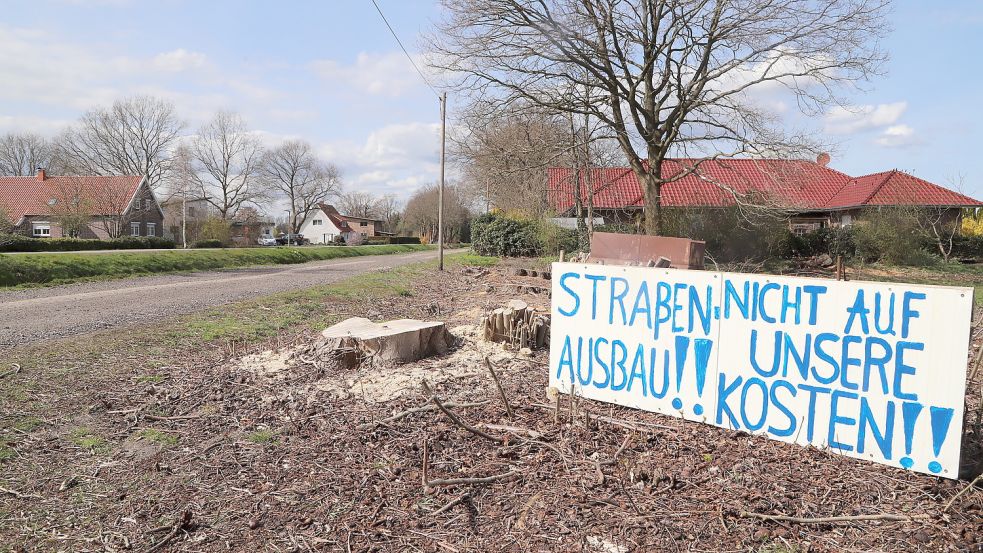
x: 38, y: 314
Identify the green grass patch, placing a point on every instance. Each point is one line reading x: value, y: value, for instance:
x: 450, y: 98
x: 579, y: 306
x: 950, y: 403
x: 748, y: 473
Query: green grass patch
x: 86, y: 439
x: 6, y: 452
x: 261, y: 437
x: 48, y: 269
x: 158, y: 437
x: 27, y: 424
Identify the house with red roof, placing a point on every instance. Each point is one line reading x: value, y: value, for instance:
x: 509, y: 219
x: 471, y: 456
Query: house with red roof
x: 811, y: 193
x: 88, y: 206
x: 326, y: 226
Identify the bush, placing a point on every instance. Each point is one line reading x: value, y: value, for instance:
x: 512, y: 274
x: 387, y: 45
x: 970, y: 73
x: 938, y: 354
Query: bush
x: 216, y: 228
x: 729, y: 236
x: 20, y: 243
x: 892, y: 236
x: 968, y: 248
x: 502, y: 236
x: 208, y: 243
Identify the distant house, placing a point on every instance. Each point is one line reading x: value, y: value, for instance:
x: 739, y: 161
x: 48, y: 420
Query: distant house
x: 89, y: 206
x: 814, y: 195
x: 366, y: 227
x: 198, y: 211
x: 327, y: 226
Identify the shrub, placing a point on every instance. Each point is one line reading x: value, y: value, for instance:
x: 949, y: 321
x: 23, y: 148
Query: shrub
x: 892, y: 236
x: 499, y: 235
x: 20, y: 243
x: 381, y: 240
x: 216, y: 228
x: 729, y: 235
x: 209, y: 243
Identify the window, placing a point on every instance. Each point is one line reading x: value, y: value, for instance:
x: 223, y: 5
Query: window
x: 41, y: 229
x: 151, y: 229
x: 134, y: 229
x: 363, y: 224
x: 146, y: 203
x: 191, y: 211
x: 317, y: 222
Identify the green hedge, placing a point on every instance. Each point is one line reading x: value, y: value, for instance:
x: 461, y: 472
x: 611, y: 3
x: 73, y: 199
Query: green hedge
x: 68, y: 267
x: 378, y: 240
x: 20, y: 243
x: 208, y: 243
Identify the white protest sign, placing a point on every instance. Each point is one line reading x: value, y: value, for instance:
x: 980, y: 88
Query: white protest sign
x: 870, y: 370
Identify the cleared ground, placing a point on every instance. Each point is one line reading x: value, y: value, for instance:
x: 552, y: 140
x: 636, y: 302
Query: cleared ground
x: 176, y: 437
x: 30, y: 315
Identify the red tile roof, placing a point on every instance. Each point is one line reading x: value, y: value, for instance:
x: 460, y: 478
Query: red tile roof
x: 30, y: 196
x: 796, y: 184
x: 335, y: 217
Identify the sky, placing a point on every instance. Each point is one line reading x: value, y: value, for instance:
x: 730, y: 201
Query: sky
x: 328, y: 71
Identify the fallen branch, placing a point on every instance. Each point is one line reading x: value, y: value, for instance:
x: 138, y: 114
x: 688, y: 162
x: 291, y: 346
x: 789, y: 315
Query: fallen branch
x: 465, y: 481
x: 964, y: 490
x: 450, y: 414
x: 831, y: 520
x: 501, y: 391
x: 414, y: 410
x: 18, y: 494
x: 179, y: 525
x: 451, y: 504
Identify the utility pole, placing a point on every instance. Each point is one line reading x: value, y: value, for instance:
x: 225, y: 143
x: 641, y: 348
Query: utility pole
x: 440, y: 191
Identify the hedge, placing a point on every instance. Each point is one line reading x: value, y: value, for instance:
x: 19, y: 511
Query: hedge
x: 208, y: 243
x: 379, y: 240
x: 20, y: 243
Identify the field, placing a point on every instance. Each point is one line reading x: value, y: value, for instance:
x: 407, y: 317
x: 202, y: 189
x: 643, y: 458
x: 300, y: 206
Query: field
x: 62, y: 268
x: 230, y: 430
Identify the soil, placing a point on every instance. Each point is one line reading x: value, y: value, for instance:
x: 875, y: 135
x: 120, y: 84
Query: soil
x: 285, y: 448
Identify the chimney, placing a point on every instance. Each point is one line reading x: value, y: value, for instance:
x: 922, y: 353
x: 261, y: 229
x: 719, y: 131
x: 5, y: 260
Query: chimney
x: 40, y: 173
x: 823, y: 159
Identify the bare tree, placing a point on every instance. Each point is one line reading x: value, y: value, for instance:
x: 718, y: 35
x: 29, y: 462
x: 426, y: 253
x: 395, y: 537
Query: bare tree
x: 72, y: 206
x: 294, y: 170
x: 357, y: 204
x: 21, y: 154
x: 134, y: 136
x: 420, y: 215
x: 227, y: 161
x: 667, y: 77
x: 390, y: 210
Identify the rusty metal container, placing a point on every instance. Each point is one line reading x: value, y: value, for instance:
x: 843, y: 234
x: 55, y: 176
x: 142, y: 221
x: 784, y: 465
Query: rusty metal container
x: 639, y: 249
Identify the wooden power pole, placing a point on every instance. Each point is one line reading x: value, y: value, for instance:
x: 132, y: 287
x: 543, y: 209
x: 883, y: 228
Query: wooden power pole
x: 440, y: 190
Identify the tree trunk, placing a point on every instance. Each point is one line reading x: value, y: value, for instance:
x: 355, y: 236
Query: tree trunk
x: 653, y: 202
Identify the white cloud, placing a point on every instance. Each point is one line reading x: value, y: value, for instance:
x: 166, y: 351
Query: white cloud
x: 179, y: 60
x: 897, y: 136
x: 389, y: 74
x: 393, y: 159
x: 841, y: 120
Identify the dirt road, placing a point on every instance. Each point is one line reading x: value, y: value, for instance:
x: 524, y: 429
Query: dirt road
x: 39, y: 314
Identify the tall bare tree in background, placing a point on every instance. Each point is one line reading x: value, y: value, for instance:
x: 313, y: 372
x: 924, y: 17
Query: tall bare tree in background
x: 358, y: 203
x: 505, y: 152
x: 420, y: 215
x: 667, y: 77
x: 390, y: 210
x: 294, y: 170
x: 134, y: 136
x: 21, y: 154
x: 227, y: 162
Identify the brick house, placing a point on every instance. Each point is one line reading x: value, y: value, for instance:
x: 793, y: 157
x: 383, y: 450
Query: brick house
x: 364, y: 226
x: 95, y: 206
x: 813, y: 195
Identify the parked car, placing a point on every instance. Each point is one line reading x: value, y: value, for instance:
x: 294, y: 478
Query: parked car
x: 291, y: 239
x: 266, y: 240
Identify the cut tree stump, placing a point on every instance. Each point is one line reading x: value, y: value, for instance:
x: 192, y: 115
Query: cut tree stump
x: 517, y: 325
x: 402, y: 340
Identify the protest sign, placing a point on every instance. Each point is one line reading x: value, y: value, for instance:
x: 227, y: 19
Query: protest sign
x: 870, y: 370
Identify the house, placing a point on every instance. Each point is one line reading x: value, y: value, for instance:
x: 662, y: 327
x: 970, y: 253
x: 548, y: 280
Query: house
x: 365, y: 227
x: 248, y: 225
x: 88, y: 206
x: 192, y: 213
x: 326, y: 226
x: 814, y: 195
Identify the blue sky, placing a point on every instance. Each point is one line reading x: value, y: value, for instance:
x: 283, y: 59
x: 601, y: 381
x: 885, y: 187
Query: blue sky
x: 329, y: 72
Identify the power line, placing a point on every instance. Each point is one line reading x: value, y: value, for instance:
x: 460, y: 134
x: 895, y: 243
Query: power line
x: 408, y: 56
